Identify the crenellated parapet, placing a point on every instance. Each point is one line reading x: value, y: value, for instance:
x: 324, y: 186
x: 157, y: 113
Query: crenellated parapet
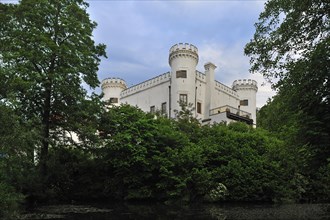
x: 146, y: 84
x: 226, y: 89
x: 200, y: 76
x: 218, y: 85
x: 113, y: 82
x: 245, y: 84
x: 183, y: 50
x: 184, y: 46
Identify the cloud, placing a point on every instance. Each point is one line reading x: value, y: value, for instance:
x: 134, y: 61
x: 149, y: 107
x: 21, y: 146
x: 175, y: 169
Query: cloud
x: 138, y: 36
x: 231, y: 65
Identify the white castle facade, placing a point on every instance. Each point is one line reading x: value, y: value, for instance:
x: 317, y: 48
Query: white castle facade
x: 211, y: 100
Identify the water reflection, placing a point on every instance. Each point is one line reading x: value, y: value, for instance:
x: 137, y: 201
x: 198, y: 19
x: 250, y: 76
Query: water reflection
x: 197, y: 211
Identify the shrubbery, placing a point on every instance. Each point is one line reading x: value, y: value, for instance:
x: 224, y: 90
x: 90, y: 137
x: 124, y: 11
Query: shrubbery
x: 9, y: 201
x: 140, y: 157
x: 165, y: 160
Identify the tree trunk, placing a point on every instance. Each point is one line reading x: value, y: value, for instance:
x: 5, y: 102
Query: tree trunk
x: 45, y: 132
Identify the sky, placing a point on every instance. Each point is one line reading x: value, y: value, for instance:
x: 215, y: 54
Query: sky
x: 139, y: 34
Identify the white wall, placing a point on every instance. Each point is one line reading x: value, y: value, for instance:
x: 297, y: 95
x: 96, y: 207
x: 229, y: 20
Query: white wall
x: 112, y: 88
x: 218, y: 118
x: 151, y: 96
x: 247, y: 89
x: 183, y: 57
x: 200, y: 87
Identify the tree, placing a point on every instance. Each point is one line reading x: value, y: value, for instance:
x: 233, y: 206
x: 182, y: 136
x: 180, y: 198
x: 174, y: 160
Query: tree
x: 15, y: 141
x: 46, y: 53
x: 186, y: 121
x: 292, y: 44
x: 286, y: 32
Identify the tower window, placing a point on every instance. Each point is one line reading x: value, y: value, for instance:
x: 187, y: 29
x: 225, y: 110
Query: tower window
x: 113, y: 100
x: 181, y: 74
x: 164, y: 108
x: 199, y: 108
x: 183, y: 98
x: 152, y: 109
x: 244, y: 102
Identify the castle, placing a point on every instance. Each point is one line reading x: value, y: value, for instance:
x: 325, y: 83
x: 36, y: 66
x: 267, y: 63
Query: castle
x: 211, y: 100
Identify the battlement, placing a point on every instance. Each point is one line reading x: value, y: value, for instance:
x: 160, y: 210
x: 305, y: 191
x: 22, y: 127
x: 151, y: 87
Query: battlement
x: 146, y: 84
x: 183, y: 49
x: 200, y: 76
x: 245, y: 84
x: 218, y: 85
x: 183, y: 46
x: 226, y: 89
x: 113, y: 82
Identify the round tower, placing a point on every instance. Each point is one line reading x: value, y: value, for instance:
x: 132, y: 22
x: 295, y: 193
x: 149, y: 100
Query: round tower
x: 247, y: 91
x: 183, y: 59
x: 111, y: 88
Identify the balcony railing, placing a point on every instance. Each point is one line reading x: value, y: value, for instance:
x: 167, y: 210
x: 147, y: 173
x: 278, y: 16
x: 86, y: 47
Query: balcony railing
x: 233, y: 113
x: 230, y: 109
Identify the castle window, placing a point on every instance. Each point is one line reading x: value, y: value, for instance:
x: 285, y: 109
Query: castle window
x: 164, y: 108
x: 152, y: 109
x: 181, y: 74
x: 183, y: 98
x: 113, y: 100
x: 244, y: 102
x: 199, y: 108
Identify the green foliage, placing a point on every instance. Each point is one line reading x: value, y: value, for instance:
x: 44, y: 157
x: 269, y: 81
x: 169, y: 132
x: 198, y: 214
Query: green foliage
x: 186, y: 111
x: 161, y: 159
x: 243, y: 159
x: 127, y: 132
x: 47, y: 53
x: 319, y: 185
x: 292, y: 43
x: 142, y: 154
x: 9, y: 202
x: 73, y: 175
x: 141, y: 157
x: 16, y: 157
x: 286, y: 32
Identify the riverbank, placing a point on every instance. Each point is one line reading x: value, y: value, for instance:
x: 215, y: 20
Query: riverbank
x: 196, y: 211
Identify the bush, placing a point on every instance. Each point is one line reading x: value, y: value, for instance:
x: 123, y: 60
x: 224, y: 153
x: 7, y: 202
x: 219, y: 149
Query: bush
x: 9, y: 201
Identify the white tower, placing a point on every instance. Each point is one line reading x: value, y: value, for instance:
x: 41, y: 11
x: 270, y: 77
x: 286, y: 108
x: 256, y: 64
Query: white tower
x: 111, y: 88
x: 183, y: 59
x: 210, y: 88
x: 247, y: 90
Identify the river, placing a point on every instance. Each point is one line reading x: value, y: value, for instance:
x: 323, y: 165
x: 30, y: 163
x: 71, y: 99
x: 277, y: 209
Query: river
x: 201, y: 211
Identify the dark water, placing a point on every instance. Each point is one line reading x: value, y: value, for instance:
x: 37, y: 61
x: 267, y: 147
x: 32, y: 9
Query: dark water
x: 202, y: 211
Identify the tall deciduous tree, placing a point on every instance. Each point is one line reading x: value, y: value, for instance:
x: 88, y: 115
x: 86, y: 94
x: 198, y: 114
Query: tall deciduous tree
x: 47, y: 52
x: 292, y: 43
x: 287, y: 31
